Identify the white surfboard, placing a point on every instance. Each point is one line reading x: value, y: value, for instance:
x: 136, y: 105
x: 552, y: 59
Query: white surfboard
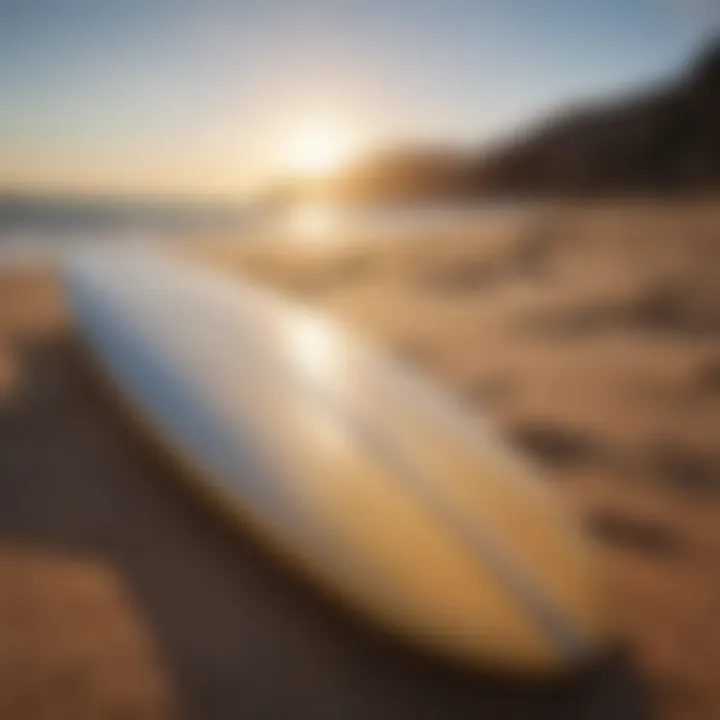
x: 369, y: 478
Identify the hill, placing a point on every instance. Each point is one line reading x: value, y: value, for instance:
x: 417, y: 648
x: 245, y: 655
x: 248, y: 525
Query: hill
x: 667, y: 140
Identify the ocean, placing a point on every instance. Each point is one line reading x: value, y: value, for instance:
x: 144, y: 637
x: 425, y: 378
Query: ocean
x: 46, y: 229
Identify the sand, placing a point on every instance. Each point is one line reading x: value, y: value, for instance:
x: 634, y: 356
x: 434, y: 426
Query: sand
x: 591, y: 339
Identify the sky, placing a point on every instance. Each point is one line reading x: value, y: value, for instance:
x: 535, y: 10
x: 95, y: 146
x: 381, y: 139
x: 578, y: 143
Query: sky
x: 204, y: 96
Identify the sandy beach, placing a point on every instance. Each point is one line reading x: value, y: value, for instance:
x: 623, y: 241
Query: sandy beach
x: 591, y: 339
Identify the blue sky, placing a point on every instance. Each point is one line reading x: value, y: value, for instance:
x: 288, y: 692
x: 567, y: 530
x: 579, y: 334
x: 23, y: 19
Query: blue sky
x: 200, y: 95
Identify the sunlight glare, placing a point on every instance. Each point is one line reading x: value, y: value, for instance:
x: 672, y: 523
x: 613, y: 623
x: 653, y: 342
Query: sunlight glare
x: 319, y: 149
x: 319, y: 360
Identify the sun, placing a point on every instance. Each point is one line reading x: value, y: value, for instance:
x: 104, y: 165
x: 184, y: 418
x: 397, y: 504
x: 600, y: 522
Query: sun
x: 317, y: 149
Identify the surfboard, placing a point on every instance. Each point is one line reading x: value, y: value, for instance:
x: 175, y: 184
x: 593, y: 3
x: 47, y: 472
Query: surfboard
x: 374, y: 482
